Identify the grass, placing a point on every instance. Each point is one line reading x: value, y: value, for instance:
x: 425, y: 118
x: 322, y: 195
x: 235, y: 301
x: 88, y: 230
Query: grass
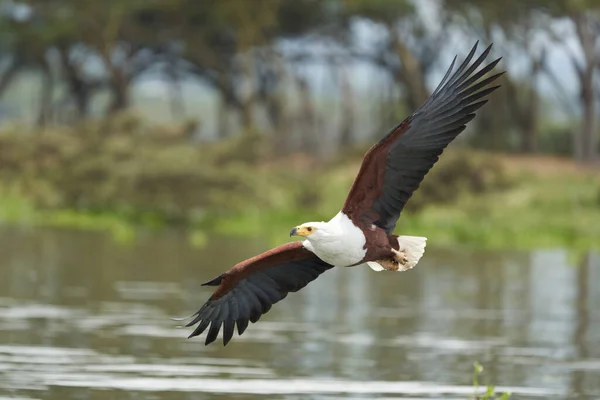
x: 543, y: 208
x: 15, y: 209
x: 540, y: 210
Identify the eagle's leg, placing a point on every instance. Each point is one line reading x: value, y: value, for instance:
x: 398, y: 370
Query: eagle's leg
x: 396, y: 263
x: 400, y: 257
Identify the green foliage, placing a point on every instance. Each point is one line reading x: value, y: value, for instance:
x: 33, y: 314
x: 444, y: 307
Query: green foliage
x: 557, y: 139
x: 386, y: 11
x: 554, y: 211
x: 117, y: 174
x: 490, y: 392
x: 457, y: 173
x: 114, y: 166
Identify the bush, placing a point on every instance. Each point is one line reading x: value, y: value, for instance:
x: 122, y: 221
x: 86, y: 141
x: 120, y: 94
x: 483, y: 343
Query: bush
x: 557, y: 139
x: 458, y: 172
x: 118, y: 165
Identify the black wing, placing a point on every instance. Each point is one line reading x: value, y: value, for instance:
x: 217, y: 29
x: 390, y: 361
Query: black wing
x: 394, y: 167
x: 249, y: 289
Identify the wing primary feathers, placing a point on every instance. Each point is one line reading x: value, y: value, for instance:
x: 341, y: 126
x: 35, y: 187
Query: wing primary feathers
x: 381, y: 189
x: 447, y: 129
x: 254, y: 305
x: 462, y: 66
x: 213, y: 332
x: 451, y: 101
x: 249, y: 289
x: 215, y: 326
x: 450, y: 77
x: 200, y: 328
x: 228, y: 330
x: 444, y: 79
x: 475, y: 64
x: 242, y: 324
x: 482, y: 93
x: 260, y: 294
x: 270, y: 291
x: 234, y: 309
x: 229, y: 322
x: 243, y: 313
x: 459, y: 76
x: 199, y: 315
x: 448, y: 117
x: 255, y: 316
x: 473, y: 89
x: 467, y: 84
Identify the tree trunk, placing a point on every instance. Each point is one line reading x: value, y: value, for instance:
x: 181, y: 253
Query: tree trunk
x: 270, y: 93
x: 589, y: 142
x: 308, y: 118
x: 45, y: 95
x: 119, y: 81
x: 410, y: 75
x: 222, y: 119
x: 530, y: 142
x: 247, y: 113
x: 247, y: 108
x: 347, y: 111
x: 7, y: 77
x: 586, y: 143
x: 120, y: 89
x: 531, y: 120
x: 80, y: 90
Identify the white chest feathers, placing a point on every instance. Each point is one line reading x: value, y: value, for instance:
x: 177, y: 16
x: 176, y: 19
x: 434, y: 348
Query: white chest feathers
x: 338, y: 242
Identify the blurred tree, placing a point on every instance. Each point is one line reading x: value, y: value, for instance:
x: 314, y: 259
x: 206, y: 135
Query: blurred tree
x: 79, y: 36
x: 108, y: 29
x: 231, y: 46
x: 24, y: 47
x: 253, y: 55
x: 408, y: 47
x: 585, y: 16
x: 513, y: 25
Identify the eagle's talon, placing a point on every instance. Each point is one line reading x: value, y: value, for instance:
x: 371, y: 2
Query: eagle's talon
x: 400, y: 257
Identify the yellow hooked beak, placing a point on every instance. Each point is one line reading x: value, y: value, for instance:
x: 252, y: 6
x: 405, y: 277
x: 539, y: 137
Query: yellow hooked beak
x: 302, y: 231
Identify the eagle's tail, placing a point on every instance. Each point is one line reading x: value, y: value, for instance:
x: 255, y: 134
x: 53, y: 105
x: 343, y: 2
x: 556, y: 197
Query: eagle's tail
x: 410, y: 251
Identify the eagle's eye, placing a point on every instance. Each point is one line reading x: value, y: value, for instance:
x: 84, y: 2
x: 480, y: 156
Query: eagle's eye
x: 309, y: 229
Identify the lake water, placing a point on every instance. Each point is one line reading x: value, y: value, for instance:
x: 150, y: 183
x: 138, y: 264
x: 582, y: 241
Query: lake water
x: 82, y: 317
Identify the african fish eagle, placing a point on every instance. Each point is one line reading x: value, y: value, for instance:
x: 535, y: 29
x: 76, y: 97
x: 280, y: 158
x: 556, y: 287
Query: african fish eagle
x: 362, y: 232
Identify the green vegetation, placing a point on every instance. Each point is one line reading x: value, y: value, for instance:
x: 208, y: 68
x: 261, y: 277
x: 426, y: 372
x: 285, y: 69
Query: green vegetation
x: 118, y: 176
x: 480, y: 207
x: 490, y: 392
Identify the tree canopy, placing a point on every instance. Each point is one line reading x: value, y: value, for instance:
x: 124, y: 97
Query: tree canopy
x: 253, y: 55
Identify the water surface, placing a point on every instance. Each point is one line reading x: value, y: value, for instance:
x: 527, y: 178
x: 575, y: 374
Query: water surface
x: 84, y: 317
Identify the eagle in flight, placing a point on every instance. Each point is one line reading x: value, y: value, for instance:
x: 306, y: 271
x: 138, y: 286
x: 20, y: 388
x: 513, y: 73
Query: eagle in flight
x: 363, y: 231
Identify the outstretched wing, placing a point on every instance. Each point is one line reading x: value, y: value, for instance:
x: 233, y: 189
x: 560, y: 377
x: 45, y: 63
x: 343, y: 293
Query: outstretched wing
x: 394, y: 167
x: 250, y: 288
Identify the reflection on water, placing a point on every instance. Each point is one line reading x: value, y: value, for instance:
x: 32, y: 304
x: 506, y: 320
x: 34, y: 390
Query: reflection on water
x: 83, y: 317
